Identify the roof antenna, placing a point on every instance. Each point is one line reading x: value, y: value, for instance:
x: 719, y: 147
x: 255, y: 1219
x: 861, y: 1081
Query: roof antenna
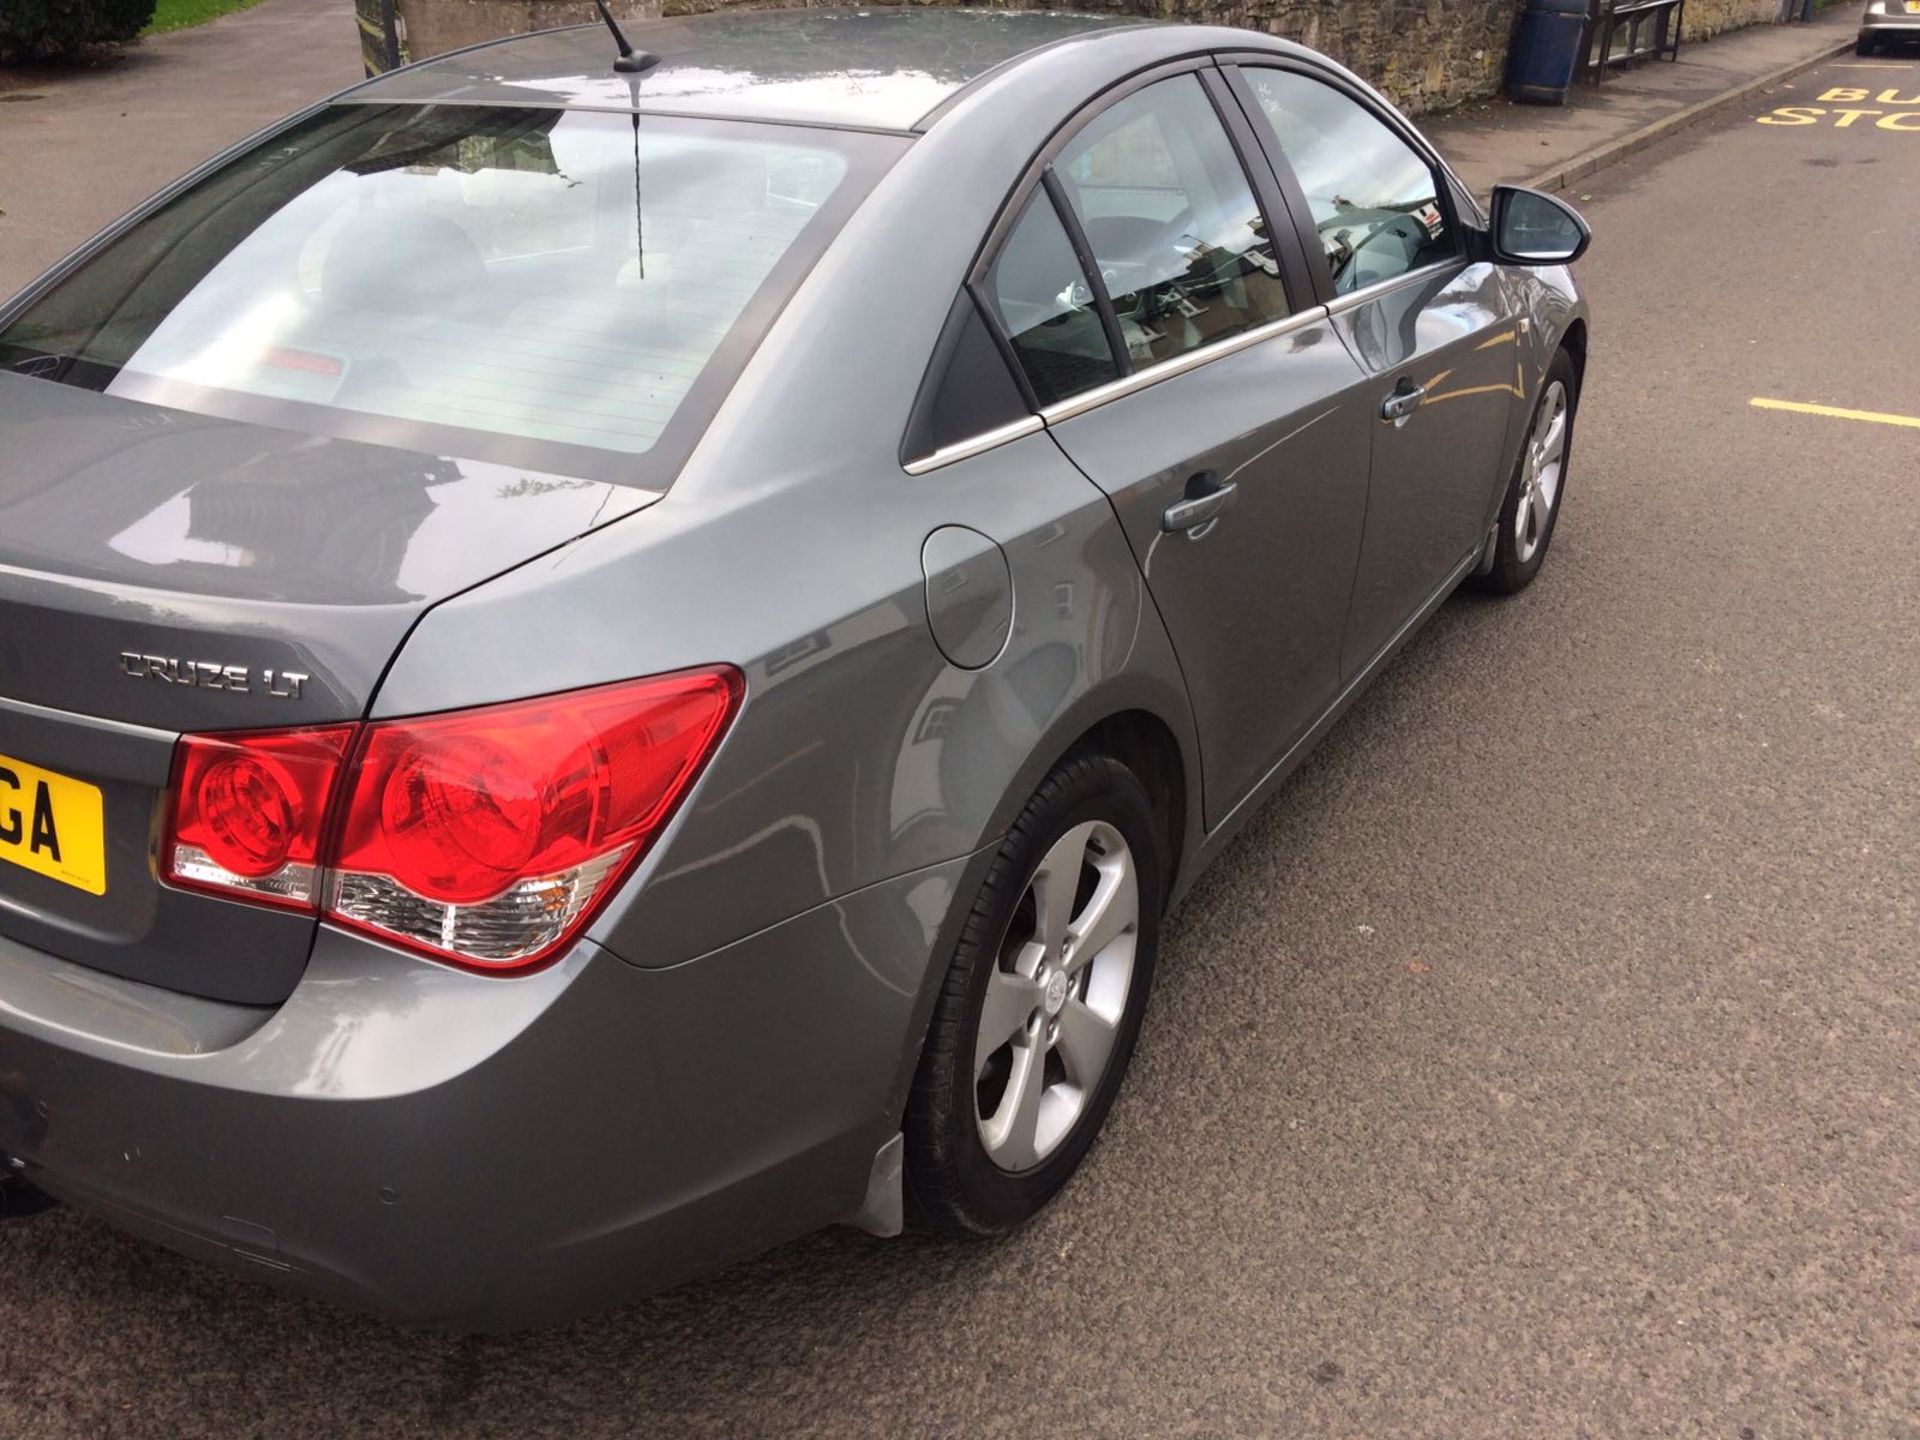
x: 631, y: 61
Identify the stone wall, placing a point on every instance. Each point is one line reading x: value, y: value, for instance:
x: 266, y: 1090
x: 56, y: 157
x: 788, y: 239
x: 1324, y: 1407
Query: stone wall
x: 1710, y: 17
x: 433, y: 27
x: 1425, y: 54
x: 449, y: 24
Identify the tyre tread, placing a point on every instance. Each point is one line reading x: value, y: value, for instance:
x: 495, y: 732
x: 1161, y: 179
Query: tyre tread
x: 1509, y: 575
x: 936, y: 1182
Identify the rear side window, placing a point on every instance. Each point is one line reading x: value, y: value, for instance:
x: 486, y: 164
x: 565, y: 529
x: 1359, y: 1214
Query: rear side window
x: 1374, y: 199
x: 1172, y: 222
x: 565, y: 290
x: 1048, y: 309
x: 967, y: 392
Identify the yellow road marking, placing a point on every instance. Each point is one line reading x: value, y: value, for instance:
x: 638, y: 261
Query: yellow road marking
x: 1834, y: 412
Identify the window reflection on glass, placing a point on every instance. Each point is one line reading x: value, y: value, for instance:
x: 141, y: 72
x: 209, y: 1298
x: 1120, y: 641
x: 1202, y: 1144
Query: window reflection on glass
x: 1373, y: 199
x: 559, y: 278
x: 1539, y: 227
x: 1172, y: 222
x: 1047, y: 307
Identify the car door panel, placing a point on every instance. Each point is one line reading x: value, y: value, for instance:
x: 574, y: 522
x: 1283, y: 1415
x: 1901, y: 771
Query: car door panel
x: 1233, y: 393
x: 1437, y: 473
x: 1435, y: 331
x: 1256, y: 602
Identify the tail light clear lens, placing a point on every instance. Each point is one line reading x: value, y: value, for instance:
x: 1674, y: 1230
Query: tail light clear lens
x: 488, y: 835
x: 249, y: 812
x: 485, y: 837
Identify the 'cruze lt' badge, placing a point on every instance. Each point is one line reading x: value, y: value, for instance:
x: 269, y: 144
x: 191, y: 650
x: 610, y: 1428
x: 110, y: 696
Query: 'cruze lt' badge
x: 208, y: 675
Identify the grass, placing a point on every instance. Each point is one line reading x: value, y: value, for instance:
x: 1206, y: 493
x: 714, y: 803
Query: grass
x: 179, y: 14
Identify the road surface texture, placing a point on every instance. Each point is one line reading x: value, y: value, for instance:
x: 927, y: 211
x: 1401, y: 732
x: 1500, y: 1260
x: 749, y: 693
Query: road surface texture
x: 1543, y: 1062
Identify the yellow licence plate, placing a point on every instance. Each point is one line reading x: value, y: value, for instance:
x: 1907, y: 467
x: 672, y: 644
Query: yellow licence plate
x: 1913, y: 7
x: 53, y: 825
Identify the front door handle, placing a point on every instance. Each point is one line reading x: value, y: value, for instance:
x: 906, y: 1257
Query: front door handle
x: 1406, y: 398
x: 1206, y: 500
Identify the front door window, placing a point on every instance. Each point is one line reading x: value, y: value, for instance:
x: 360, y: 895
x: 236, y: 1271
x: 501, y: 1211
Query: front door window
x: 1373, y: 198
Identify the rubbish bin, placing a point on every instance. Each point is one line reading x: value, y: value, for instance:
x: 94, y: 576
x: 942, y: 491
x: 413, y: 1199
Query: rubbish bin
x: 1546, y: 51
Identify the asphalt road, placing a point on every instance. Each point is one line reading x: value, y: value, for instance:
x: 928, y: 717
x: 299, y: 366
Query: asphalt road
x: 79, y: 147
x: 1543, y: 1062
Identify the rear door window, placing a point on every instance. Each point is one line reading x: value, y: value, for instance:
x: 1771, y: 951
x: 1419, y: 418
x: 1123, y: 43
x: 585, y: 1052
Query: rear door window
x: 1172, y: 221
x: 566, y: 290
x: 1047, y: 306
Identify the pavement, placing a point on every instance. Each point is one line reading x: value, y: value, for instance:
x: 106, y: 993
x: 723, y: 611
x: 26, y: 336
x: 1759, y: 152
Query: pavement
x: 1542, y: 1061
x: 80, y: 147
x: 1492, y: 141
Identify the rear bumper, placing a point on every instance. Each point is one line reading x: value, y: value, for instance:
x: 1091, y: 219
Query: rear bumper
x: 472, y: 1153
x: 1891, y: 27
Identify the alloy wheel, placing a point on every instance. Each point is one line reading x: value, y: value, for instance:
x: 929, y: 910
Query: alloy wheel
x: 1056, y: 998
x: 1540, y: 474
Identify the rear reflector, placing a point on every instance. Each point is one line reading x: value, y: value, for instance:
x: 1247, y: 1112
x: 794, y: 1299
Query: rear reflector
x: 484, y: 837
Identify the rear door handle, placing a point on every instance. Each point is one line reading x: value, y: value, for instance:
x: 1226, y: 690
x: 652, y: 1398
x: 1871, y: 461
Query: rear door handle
x: 1206, y: 500
x: 1406, y: 398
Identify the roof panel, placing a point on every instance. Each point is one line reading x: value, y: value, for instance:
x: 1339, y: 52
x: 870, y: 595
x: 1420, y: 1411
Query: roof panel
x: 879, y: 69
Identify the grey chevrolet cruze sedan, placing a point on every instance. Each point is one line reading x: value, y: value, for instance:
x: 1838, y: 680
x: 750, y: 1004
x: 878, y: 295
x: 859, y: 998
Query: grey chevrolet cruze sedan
x: 601, y: 667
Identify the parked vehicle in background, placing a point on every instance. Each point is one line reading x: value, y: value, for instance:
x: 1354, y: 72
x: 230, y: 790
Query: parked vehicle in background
x: 1890, y: 23
x: 601, y: 668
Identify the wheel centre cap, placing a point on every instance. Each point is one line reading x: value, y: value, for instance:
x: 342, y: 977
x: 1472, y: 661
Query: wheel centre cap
x: 1056, y: 994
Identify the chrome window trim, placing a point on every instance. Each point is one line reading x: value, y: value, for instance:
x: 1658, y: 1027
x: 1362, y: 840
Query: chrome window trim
x: 1127, y: 384
x: 978, y: 445
x: 1353, y: 299
x: 1367, y: 98
x: 1179, y: 365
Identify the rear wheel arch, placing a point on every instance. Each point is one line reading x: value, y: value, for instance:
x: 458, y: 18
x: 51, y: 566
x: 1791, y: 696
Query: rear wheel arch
x: 1142, y: 723
x: 1145, y: 729
x: 1145, y: 744
x: 1063, y: 1016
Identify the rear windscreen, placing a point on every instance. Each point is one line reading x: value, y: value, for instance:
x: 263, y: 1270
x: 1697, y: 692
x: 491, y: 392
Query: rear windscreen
x: 566, y: 290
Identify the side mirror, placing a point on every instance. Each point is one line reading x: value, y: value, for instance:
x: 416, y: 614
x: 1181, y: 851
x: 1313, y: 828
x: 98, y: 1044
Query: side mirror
x: 1530, y: 228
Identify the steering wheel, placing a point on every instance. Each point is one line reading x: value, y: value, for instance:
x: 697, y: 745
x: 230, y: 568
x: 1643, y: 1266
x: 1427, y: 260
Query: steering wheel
x: 1132, y: 251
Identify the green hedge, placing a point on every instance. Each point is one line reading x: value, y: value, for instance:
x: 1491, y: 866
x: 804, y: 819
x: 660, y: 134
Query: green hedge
x: 48, y: 29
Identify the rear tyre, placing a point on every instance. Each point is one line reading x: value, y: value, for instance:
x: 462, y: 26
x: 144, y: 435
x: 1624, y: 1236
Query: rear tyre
x: 1532, y: 505
x: 1865, y: 45
x: 1042, y: 1003
x: 21, y: 1201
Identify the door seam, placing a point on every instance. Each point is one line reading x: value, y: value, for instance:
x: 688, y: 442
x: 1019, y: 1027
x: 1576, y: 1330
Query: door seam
x: 1146, y: 585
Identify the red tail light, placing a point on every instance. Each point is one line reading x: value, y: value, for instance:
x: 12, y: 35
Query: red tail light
x: 249, y: 811
x: 487, y: 837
